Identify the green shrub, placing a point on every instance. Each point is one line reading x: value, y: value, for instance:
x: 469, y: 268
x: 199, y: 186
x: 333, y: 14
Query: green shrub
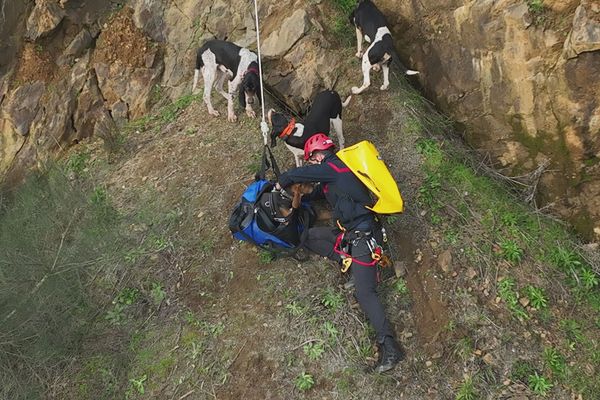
x: 53, y: 234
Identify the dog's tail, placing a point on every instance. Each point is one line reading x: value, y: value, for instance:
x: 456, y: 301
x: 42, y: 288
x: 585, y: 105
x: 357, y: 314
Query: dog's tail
x: 396, y: 61
x: 347, y: 101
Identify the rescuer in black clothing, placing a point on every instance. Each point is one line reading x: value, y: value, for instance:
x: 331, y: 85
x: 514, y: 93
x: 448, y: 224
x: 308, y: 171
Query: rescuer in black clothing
x: 348, y: 196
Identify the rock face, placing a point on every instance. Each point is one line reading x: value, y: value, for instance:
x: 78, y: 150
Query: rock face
x: 44, y: 18
x: 523, y: 82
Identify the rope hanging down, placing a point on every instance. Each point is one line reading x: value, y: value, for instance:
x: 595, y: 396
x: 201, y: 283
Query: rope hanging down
x: 263, y: 125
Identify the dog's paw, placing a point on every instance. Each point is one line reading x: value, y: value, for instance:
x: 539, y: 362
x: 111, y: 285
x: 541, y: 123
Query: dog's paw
x: 214, y: 113
x: 232, y: 118
x: 384, y: 87
x: 358, y: 54
x: 356, y: 90
x: 251, y: 113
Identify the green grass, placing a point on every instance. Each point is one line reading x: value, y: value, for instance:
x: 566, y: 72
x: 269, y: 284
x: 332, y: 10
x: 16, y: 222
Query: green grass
x: 54, y: 235
x: 535, y: 6
x: 164, y: 116
x: 510, y: 251
x: 467, y: 390
x: 332, y: 300
x: 341, y: 28
x: 539, y: 385
x: 521, y: 370
x: 304, y: 381
x: 507, y: 292
x: 314, y: 350
x: 556, y: 362
x: 537, y: 297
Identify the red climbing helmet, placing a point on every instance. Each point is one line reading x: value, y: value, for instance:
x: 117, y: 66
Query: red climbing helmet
x: 317, y: 142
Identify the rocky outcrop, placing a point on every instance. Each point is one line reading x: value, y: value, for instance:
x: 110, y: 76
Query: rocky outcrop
x: 522, y: 83
x: 103, y: 81
x: 44, y: 18
x: 585, y: 35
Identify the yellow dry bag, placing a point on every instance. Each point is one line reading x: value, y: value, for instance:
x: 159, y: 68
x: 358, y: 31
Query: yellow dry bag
x: 364, y: 161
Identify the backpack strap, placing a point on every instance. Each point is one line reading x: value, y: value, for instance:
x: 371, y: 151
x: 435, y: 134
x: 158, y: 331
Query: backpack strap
x: 267, y: 162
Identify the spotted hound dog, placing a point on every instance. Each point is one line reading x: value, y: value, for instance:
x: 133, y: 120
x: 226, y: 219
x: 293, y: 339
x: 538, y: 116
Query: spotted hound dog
x: 219, y: 60
x: 371, y: 24
x: 326, y: 110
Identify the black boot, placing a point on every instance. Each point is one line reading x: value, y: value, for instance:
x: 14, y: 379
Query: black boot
x: 390, y: 354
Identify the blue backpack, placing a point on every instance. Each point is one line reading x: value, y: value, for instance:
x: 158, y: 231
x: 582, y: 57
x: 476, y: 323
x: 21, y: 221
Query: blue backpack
x: 253, y: 221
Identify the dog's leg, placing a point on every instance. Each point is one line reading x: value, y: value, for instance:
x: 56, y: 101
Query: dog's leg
x: 196, y: 76
x: 337, y: 126
x: 249, y: 111
x: 298, y: 154
x: 219, y: 84
x: 209, y: 78
x: 386, y: 76
x: 232, y: 86
x: 366, y: 70
x: 359, y: 38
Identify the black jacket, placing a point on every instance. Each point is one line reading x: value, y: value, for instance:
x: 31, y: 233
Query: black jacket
x: 342, y: 189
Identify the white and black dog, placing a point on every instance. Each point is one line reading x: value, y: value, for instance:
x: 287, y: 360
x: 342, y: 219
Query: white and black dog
x: 370, y: 23
x: 218, y: 60
x: 326, y: 110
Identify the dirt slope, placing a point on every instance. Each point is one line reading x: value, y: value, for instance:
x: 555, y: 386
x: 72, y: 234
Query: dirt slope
x: 236, y: 326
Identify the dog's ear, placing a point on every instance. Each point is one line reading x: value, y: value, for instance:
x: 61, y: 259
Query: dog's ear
x: 279, y: 122
x: 257, y: 88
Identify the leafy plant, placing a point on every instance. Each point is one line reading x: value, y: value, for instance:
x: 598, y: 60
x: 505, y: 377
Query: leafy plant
x: 507, y: 292
x: 588, y: 278
x: 265, y: 257
x: 429, y: 190
x: 566, y: 260
x: 466, y: 390
x: 508, y: 219
x: 99, y: 196
x: 127, y: 296
x: 521, y: 370
x: 391, y: 219
x: 555, y: 361
x: 314, y: 350
x: 77, y: 162
x: 158, y: 293
x: 330, y: 330
x: 400, y: 287
x: 511, y: 251
x: 464, y: 348
x: 539, y: 384
x: 346, y: 6
x: 138, y: 384
x: 305, y: 381
x: 116, y: 315
x: 573, y: 331
x: 332, y: 300
x: 535, y: 6
x: 536, y: 296
x: 295, y: 309
x: 161, y: 243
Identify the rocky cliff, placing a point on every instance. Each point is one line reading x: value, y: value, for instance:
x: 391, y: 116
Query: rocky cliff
x: 520, y: 76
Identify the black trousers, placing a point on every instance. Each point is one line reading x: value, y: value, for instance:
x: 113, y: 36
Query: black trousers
x: 321, y: 240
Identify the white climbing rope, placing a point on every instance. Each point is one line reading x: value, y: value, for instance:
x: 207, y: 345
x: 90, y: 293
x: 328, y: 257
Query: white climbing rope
x: 263, y: 125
